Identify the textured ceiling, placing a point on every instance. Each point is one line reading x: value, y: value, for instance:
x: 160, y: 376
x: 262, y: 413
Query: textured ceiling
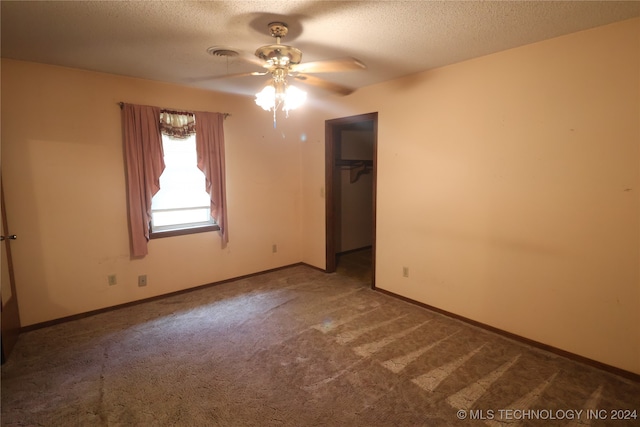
x: 168, y: 41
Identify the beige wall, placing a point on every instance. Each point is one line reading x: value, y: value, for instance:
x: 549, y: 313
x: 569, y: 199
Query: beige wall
x: 64, y: 179
x: 509, y: 185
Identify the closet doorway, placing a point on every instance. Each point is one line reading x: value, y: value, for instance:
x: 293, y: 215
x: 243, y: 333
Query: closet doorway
x: 350, y: 187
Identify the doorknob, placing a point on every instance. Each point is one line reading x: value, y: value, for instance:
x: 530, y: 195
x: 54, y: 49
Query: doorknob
x: 10, y: 237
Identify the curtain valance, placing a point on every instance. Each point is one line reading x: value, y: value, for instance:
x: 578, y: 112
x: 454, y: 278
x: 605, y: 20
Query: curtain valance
x: 177, y: 124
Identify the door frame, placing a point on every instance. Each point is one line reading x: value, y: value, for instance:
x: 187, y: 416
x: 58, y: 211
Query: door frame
x: 10, y: 315
x: 332, y: 135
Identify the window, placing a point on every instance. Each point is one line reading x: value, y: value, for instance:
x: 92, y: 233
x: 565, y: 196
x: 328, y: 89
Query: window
x: 182, y: 204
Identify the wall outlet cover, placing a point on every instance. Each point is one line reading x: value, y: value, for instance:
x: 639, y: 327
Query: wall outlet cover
x: 142, y: 280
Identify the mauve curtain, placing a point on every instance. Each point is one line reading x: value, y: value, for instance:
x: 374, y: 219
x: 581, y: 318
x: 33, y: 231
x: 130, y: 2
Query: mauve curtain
x: 210, y: 150
x: 145, y: 163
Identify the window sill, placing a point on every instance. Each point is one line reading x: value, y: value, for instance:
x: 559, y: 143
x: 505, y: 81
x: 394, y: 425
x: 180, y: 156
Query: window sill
x: 182, y: 231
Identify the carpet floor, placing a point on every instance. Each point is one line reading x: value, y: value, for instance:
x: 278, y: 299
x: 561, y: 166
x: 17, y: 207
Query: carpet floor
x: 297, y: 347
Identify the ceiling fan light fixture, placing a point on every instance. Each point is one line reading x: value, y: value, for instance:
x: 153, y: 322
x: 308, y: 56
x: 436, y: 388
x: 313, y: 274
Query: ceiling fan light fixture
x: 293, y: 98
x: 285, y: 97
x: 277, y: 95
x: 266, y: 98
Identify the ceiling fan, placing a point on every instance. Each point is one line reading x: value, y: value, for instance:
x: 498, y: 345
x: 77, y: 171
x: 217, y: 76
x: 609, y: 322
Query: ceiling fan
x: 282, y: 61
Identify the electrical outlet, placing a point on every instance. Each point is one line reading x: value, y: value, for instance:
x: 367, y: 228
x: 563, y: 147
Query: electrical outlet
x: 112, y: 280
x: 274, y: 248
x: 142, y: 280
x: 405, y: 271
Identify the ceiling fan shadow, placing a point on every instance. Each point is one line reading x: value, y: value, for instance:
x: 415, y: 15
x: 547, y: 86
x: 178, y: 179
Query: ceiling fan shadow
x: 295, y: 19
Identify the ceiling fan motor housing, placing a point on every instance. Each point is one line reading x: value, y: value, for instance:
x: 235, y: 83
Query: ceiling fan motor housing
x: 279, y: 55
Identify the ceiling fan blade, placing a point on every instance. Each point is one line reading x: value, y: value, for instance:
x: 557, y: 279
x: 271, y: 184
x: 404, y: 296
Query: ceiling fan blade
x: 226, y: 76
x: 329, y: 66
x: 324, y: 84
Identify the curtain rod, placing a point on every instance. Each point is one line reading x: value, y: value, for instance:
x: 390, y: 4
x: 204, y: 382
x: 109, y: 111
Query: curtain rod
x: 121, y: 104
